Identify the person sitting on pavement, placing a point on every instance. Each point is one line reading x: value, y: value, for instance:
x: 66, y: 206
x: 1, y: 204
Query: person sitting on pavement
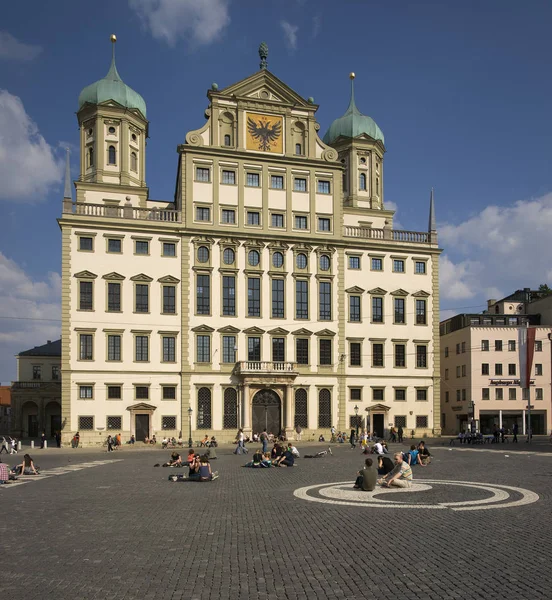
x: 203, y: 442
x: 174, y: 461
x: 277, y: 451
x: 191, y: 456
x: 164, y: 442
x: 367, y: 477
x: 400, y: 476
x: 213, y: 443
x: 4, y: 472
x: 27, y: 467
x: 205, y: 473
x: 266, y: 462
x: 320, y: 454
x: 424, y: 457
x: 385, y: 465
x: 294, y: 450
x: 256, y: 463
x: 132, y: 439
x: 321, y: 438
x: 285, y: 460
x: 379, y: 448
x: 412, y: 458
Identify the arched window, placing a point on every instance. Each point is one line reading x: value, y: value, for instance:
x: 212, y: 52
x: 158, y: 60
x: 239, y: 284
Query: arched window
x: 133, y: 162
x: 230, y: 420
x: 377, y: 186
x: 298, y: 149
x: 362, y: 182
x: 229, y: 256
x: 227, y: 140
x: 254, y: 258
x: 301, y: 408
x: 91, y: 156
x: 204, y: 408
x: 324, y: 408
x: 111, y: 155
x: 325, y: 262
x: 277, y: 259
x: 203, y: 254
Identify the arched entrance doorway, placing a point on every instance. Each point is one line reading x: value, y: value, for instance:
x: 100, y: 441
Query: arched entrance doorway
x: 267, y: 412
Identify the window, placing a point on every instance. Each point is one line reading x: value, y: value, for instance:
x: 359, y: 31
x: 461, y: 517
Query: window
x: 512, y: 393
x: 133, y: 162
x: 446, y: 351
x: 228, y: 256
x: 142, y: 348
x: 253, y: 297
x: 133, y: 137
x: 324, y: 408
x: 377, y: 394
x: 421, y: 357
x: 538, y: 394
x: 485, y: 369
x: 538, y: 345
x: 302, y: 351
x: 114, y: 423
x: 86, y: 392
x: 85, y: 346
x: 169, y: 299
x: 230, y: 416
x: 203, y: 213
x: 228, y: 216
x: 377, y: 186
x: 253, y: 258
x: 421, y: 395
x: 203, y: 174
x: 141, y: 247
x: 323, y: 186
x: 229, y: 177
x: 86, y: 244
x: 301, y: 408
x: 114, y: 297
x: 512, y: 345
x: 420, y: 267
x: 298, y: 153
x: 111, y: 156
x: 141, y: 392
x: 37, y: 372
x: 85, y: 295
x: 377, y: 264
x: 485, y: 394
x: 398, y: 266
x: 400, y: 421
x: 377, y: 355
x: 499, y: 395
x: 168, y: 422
x: 169, y: 348
x: 301, y: 299
x: 114, y: 392
x: 463, y: 347
x: 90, y: 156
x: 254, y: 348
x: 278, y: 349
x: 377, y: 310
x: 458, y: 371
x: 362, y: 182
x: 525, y: 394
x: 325, y: 352
x: 324, y: 224
x: 229, y: 295
x: 300, y: 222
x: 355, y: 354
x: 277, y: 259
x: 253, y: 218
x: 354, y: 262
x: 277, y: 298
x: 484, y: 345
x: 538, y: 369
x: 203, y: 343
x: 204, y: 408
x: 421, y: 316
x: 498, y: 369
x: 277, y: 182
x: 421, y: 422
x: 228, y: 348
x: 203, y: 254
x: 498, y: 345
x: 511, y: 369
x: 400, y: 355
x: 252, y: 180
x: 463, y: 370
x: 113, y: 347
x: 400, y: 394
x: 354, y: 309
x: 142, y: 298
x: 299, y: 184
x: 203, y: 295
x: 114, y: 246
x: 169, y: 249
x: 399, y: 310
x: 55, y: 373
x: 227, y: 140
x: 86, y: 423
x: 458, y: 396
x: 457, y: 348
x: 111, y: 130
x: 277, y: 220
x: 446, y: 374
x: 301, y: 261
x: 325, y: 299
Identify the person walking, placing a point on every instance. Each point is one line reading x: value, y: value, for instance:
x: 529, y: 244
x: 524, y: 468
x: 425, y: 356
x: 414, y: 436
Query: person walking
x: 58, y: 439
x: 264, y: 440
x: 109, y: 443
x: 4, y: 446
x: 42, y: 439
x: 352, y: 439
x: 240, y: 448
x: 13, y: 443
x: 515, y: 432
x: 400, y: 433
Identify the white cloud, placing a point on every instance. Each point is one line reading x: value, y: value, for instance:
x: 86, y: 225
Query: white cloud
x: 12, y: 49
x: 199, y: 21
x: 389, y: 205
x: 497, y: 251
x: 290, y: 33
x: 25, y: 302
x: 28, y: 165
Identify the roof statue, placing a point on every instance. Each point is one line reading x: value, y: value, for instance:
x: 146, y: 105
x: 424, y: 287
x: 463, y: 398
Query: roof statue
x: 263, y: 54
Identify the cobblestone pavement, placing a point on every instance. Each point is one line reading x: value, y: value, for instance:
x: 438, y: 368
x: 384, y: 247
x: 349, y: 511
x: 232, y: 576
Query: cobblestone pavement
x: 122, y: 530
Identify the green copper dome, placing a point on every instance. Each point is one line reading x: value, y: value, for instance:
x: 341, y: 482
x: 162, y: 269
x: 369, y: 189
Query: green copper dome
x: 112, y: 87
x: 352, y: 124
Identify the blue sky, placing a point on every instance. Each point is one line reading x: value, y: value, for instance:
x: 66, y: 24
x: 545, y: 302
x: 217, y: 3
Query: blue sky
x: 461, y: 91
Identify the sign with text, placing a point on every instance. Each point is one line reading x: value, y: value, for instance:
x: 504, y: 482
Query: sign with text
x: 507, y: 382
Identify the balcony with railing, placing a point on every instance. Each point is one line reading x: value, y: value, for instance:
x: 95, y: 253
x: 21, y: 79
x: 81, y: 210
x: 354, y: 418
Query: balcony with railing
x: 265, y: 367
x: 127, y: 211
x: 395, y: 235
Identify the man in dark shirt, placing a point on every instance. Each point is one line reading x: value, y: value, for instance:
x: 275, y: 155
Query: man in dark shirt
x: 286, y: 460
x: 367, y: 478
x: 423, y: 454
x: 385, y: 465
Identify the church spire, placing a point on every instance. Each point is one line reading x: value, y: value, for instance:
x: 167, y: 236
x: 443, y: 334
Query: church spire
x: 432, y: 226
x: 352, y: 106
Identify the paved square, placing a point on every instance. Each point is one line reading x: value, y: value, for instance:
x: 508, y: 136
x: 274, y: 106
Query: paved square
x: 120, y: 529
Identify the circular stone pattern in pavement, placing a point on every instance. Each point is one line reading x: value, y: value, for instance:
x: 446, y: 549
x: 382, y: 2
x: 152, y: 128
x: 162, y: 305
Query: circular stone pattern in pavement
x: 496, y: 496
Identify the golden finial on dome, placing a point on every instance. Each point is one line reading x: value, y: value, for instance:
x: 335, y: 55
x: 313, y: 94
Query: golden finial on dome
x: 352, y: 75
x: 113, y: 38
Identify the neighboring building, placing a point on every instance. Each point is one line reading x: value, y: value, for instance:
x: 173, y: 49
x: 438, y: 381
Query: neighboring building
x: 480, y: 367
x: 5, y: 409
x: 272, y: 292
x: 36, y: 395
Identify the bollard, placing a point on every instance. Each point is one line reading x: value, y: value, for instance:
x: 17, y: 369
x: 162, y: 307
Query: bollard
x: 32, y: 443
x: 19, y: 445
x: 46, y: 444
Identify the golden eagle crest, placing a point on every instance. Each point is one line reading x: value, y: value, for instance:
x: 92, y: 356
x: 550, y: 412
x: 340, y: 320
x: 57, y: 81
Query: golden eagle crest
x: 263, y: 133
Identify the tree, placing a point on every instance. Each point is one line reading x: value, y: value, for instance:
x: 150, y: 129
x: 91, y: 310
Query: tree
x: 544, y: 289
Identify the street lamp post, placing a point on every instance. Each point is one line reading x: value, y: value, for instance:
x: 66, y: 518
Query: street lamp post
x: 190, y: 441
x: 356, y: 419
x: 472, y: 409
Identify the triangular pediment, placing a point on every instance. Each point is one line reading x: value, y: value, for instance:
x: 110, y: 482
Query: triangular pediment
x: 378, y: 408
x: 421, y: 294
x: 141, y: 277
x: 355, y: 290
x: 202, y: 329
x: 278, y: 331
x: 142, y: 406
x: 254, y: 331
x: 325, y: 333
x: 228, y: 329
x: 377, y: 292
x: 85, y: 275
x: 114, y: 276
x: 399, y: 292
x: 301, y: 331
x: 168, y: 279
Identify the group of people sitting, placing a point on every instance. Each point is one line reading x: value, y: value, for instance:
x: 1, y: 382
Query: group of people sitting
x: 279, y: 456
x: 207, y: 442
x: 199, y: 467
x: 27, y: 467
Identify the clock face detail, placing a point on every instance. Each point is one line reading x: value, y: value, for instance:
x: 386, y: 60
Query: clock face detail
x: 264, y: 133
